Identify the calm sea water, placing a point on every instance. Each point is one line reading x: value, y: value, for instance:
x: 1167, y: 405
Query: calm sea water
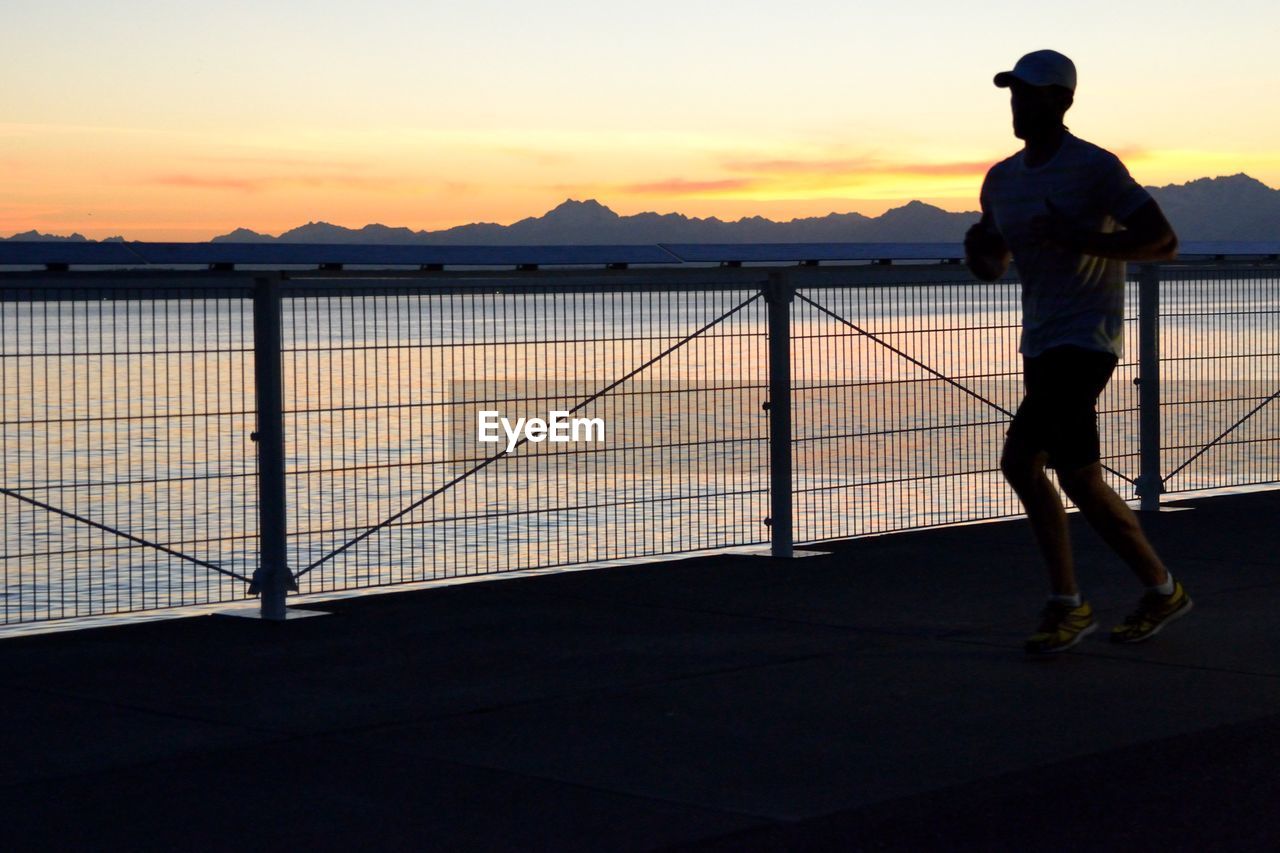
x: 127, y: 429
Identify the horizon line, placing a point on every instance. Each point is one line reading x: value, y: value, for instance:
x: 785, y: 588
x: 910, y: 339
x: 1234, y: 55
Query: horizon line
x: 586, y: 201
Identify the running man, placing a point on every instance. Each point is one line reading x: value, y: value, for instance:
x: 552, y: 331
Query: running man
x: 1068, y: 214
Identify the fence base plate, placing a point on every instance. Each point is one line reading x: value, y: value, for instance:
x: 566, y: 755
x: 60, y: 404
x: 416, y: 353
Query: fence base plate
x: 255, y: 612
x: 767, y: 551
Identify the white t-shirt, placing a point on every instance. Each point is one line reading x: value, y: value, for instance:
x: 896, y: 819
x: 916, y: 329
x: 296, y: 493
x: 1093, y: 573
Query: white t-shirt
x: 1067, y: 298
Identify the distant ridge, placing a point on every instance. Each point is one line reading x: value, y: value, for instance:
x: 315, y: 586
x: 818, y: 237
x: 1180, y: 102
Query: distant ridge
x: 37, y: 237
x: 1231, y: 208
x: 1236, y: 207
x: 591, y: 223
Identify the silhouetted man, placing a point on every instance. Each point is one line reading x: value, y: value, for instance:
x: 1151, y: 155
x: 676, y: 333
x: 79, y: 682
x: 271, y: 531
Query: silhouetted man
x: 1056, y: 209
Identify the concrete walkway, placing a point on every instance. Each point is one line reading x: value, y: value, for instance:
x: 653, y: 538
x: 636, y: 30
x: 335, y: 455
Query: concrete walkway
x: 876, y: 698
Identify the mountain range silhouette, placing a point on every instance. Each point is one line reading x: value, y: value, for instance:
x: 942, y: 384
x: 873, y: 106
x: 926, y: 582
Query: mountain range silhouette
x: 1235, y: 208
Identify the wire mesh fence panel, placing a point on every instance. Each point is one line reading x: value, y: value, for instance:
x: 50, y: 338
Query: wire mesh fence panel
x: 1220, y: 377
x: 129, y: 478
x: 440, y: 426
x: 659, y: 444
x: 1119, y: 406
x: 902, y: 395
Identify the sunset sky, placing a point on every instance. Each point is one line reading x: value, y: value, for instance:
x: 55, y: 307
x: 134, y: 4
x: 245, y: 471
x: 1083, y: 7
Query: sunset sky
x: 169, y: 120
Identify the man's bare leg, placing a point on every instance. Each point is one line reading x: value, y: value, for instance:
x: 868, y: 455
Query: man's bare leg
x: 1025, y: 473
x: 1114, y: 521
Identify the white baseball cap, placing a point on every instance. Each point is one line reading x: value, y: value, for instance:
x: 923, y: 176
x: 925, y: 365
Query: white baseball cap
x: 1041, y: 68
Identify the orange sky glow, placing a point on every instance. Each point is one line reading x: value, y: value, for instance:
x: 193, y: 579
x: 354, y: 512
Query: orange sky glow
x: 327, y: 112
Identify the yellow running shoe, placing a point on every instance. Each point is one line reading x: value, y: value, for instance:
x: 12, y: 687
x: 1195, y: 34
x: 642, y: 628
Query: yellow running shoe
x: 1061, y: 627
x: 1153, y: 613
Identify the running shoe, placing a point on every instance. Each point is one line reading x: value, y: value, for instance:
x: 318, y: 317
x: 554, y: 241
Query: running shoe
x: 1154, y: 611
x: 1061, y: 627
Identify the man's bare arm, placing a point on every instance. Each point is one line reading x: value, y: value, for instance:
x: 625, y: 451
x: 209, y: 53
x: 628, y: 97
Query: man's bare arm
x: 1147, y: 235
x: 985, y: 251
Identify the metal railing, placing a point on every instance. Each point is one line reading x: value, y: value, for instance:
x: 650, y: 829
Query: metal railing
x: 176, y: 438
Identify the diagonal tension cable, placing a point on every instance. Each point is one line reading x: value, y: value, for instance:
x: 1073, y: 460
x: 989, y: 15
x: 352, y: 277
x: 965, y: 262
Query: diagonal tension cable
x: 127, y: 536
x: 881, y: 342
x: 1202, y: 451
x: 489, y: 461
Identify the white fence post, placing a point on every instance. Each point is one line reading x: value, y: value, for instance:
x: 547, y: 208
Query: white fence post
x: 779, y: 293
x: 272, y: 579
x: 1150, y: 483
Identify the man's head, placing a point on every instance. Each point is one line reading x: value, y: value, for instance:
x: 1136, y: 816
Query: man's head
x: 1042, y: 85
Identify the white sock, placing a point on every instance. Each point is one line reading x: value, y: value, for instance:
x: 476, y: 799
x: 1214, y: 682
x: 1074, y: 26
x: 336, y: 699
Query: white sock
x: 1165, y: 588
x: 1073, y: 600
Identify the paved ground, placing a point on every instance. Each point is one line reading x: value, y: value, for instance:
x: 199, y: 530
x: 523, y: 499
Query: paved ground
x: 872, y: 699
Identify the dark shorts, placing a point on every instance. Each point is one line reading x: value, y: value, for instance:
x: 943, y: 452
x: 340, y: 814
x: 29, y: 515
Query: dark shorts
x: 1059, y: 412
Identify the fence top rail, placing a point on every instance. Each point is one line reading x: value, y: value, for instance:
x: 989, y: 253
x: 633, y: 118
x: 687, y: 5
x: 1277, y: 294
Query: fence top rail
x: 61, y: 255
x: 166, y: 284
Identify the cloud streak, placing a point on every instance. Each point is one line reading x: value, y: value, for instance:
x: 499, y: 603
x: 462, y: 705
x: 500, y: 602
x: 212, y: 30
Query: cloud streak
x: 277, y: 162
x: 857, y: 166
x: 813, y: 175
x: 194, y: 182
x: 681, y: 186
x: 280, y: 182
